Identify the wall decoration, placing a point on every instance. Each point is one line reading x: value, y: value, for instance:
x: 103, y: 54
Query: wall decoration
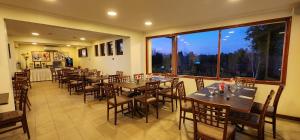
x: 40, y: 56
x: 96, y: 50
x: 59, y: 56
x: 119, y: 46
x: 109, y: 48
x: 9, y: 53
x: 83, y: 52
x: 102, y: 49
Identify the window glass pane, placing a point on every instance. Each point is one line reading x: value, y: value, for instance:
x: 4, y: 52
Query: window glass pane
x: 253, y: 51
x: 161, y: 54
x: 198, y: 53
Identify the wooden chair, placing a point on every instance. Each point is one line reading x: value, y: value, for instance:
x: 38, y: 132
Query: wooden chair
x: 245, y: 81
x: 27, y: 72
x: 185, y: 104
x: 113, y: 78
x: 54, y: 76
x: 170, y: 92
x: 150, y: 97
x: 120, y: 73
x: 271, y: 110
x: 199, y: 83
x: 11, y: 118
x: 138, y: 76
x: 93, y: 89
x: 75, y: 83
x: 114, y: 101
x: 211, y: 121
x: 253, y: 120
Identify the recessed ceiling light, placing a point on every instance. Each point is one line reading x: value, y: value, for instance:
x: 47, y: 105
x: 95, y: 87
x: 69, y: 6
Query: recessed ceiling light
x: 50, y: 0
x: 224, y: 39
x: 68, y: 45
x: 231, y: 32
x: 148, y: 23
x: 33, y: 43
x: 82, y: 38
x: 227, y: 36
x: 233, y: 0
x: 35, y: 34
x: 111, y: 13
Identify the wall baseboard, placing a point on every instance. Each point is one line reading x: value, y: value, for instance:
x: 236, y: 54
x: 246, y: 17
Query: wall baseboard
x: 288, y: 117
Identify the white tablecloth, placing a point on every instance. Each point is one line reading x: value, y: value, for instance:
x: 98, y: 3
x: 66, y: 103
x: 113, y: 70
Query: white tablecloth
x: 40, y: 75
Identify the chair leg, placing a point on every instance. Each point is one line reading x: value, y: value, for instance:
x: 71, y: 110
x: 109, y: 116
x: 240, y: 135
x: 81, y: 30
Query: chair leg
x: 132, y: 109
x: 116, y: 115
x: 180, y: 119
x: 122, y: 109
x: 184, y: 116
x: 26, y: 127
x: 274, y: 126
x: 157, y: 110
x: 147, y: 110
x: 172, y: 105
x: 84, y: 97
x: 107, y: 111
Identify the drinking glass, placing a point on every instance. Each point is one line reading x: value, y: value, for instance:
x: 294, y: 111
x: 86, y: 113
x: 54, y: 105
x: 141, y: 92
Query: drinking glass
x: 211, y: 91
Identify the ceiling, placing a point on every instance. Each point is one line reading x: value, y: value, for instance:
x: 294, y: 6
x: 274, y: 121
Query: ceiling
x: 24, y: 29
x: 163, y: 13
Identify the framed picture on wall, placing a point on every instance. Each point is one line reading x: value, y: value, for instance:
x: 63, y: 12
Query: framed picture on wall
x: 96, y: 50
x: 102, y: 49
x: 119, y: 46
x: 40, y: 56
x: 83, y: 52
x: 109, y: 48
x: 59, y: 56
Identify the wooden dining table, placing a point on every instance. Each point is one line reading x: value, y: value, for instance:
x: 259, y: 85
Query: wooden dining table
x: 142, y: 83
x: 241, y: 100
x: 4, y: 98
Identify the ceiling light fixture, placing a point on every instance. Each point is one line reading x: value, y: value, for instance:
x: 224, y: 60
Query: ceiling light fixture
x: 112, y: 13
x: 231, y: 32
x: 82, y: 38
x: 233, y: 0
x: 68, y: 45
x: 33, y: 43
x: 35, y: 34
x: 227, y: 36
x: 148, y: 23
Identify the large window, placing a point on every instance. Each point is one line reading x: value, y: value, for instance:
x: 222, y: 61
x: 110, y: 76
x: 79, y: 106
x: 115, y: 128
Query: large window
x: 253, y: 51
x: 198, y: 54
x: 257, y: 50
x: 161, y: 54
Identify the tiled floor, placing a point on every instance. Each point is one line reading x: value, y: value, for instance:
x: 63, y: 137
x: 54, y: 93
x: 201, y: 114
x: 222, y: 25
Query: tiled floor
x: 56, y: 115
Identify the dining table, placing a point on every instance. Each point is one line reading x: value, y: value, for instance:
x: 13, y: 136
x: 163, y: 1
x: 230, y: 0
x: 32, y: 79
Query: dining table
x: 240, y: 100
x: 4, y: 98
x: 132, y: 85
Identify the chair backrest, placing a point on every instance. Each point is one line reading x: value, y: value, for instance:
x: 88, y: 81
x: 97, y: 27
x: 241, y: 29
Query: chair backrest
x: 246, y: 81
x: 109, y: 91
x: 151, y: 89
x: 113, y: 78
x: 214, y: 115
x: 180, y: 92
x: 138, y: 76
x: 277, y: 97
x: 20, y: 74
x: 23, y: 100
x: 264, y: 110
x: 98, y: 73
x: 124, y: 79
x: 120, y: 73
x: 199, y: 83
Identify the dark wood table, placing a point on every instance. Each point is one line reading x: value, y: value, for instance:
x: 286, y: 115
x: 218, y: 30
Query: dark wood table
x: 242, y: 100
x: 4, y: 98
x: 141, y: 83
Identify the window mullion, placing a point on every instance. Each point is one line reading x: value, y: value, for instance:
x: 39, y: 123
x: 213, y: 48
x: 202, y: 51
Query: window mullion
x: 219, y: 56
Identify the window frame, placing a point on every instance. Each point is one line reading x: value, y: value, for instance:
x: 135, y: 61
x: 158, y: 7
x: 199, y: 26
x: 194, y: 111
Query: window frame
x: 287, y: 20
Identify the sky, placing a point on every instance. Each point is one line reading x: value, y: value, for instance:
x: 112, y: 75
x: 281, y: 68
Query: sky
x: 205, y: 42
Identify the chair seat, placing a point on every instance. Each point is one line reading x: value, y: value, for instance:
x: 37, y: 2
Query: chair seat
x: 12, y: 116
x: 248, y: 119
x: 89, y: 87
x: 75, y: 82
x: 120, y: 100
x: 214, y: 132
x: 258, y: 107
x: 187, y: 106
x: 142, y: 99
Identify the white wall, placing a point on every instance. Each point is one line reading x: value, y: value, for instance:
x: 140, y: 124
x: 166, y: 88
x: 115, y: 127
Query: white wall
x: 108, y: 64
